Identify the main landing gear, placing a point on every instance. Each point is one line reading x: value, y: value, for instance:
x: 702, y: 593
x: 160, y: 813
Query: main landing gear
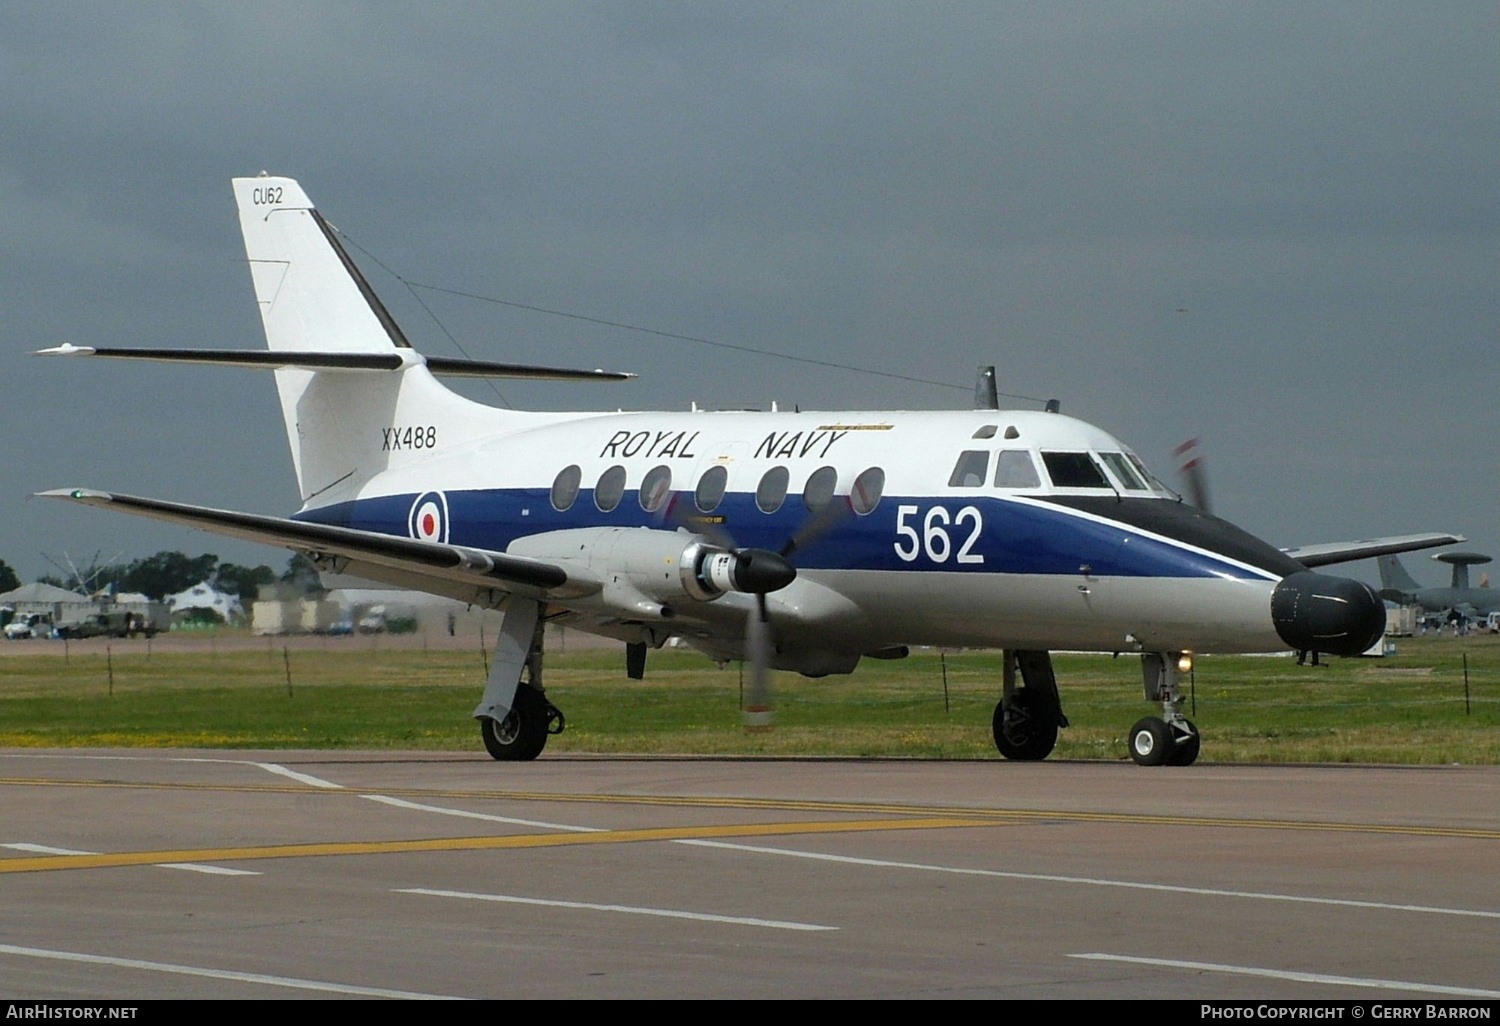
x: 1169, y: 739
x: 515, y: 718
x: 1027, y: 718
x: 523, y: 733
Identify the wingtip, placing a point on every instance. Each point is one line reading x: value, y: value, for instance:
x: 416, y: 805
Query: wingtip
x: 75, y: 495
x: 66, y: 349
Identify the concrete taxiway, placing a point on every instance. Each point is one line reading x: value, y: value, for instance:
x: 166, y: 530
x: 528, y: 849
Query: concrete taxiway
x: 150, y: 874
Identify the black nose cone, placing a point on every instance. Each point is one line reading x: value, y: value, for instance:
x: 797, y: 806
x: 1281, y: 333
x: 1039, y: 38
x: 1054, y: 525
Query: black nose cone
x: 1336, y: 615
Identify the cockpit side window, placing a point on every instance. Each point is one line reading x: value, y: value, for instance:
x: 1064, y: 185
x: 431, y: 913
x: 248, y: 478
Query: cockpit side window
x: 1151, y: 479
x: 972, y: 468
x: 1074, y: 470
x: 1123, y: 471
x: 1015, y: 469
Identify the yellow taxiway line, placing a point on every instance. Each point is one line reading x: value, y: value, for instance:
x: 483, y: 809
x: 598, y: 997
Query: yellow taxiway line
x: 46, y: 863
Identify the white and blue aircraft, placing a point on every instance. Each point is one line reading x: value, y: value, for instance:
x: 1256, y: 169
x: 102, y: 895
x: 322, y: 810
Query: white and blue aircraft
x: 801, y: 541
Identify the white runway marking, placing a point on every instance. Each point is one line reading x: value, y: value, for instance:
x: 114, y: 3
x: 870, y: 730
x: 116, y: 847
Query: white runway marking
x: 196, y: 867
x: 269, y: 767
x: 301, y: 778
x: 1095, y: 882
x: 1282, y: 974
x: 401, y: 803
x: 220, y: 974
x: 629, y: 909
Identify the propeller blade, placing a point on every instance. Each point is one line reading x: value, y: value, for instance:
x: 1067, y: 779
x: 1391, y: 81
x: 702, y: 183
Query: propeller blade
x: 759, y: 648
x: 818, y: 525
x: 1194, y: 477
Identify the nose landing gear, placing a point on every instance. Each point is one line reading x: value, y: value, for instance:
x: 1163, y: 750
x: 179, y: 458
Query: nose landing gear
x: 1170, y: 739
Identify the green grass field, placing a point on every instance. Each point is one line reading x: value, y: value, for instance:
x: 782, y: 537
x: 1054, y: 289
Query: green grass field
x: 1409, y: 708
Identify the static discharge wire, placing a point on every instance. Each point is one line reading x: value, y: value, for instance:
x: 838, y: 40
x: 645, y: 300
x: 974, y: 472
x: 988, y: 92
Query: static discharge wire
x: 413, y: 286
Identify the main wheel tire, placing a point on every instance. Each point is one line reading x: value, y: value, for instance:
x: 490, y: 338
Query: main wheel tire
x: 522, y: 735
x: 1185, y: 748
x: 1152, y: 742
x: 1029, y: 732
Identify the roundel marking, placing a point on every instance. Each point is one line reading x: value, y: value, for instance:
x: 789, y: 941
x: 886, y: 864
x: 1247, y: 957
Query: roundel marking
x: 428, y: 519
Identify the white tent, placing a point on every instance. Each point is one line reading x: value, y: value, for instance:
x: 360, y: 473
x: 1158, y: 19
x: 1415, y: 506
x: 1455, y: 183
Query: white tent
x: 205, y: 596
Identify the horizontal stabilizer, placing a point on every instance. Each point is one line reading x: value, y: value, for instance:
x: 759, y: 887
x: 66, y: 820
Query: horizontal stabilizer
x: 1346, y: 552
x: 449, y: 562
x: 390, y: 360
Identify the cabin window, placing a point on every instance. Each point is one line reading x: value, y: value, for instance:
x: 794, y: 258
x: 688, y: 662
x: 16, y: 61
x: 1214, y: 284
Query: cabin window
x: 972, y: 468
x: 868, y: 487
x: 710, y: 490
x: 1123, y: 471
x: 1014, y: 469
x: 1073, y: 470
x: 565, y: 487
x: 610, y: 489
x: 771, y: 492
x: 818, y: 491
x: 654, y: 488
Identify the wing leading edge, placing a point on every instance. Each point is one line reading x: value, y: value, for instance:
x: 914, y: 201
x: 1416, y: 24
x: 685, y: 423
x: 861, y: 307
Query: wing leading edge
x: 407, y: 557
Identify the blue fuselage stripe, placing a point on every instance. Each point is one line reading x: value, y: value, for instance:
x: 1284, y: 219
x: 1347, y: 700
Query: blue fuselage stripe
x: 1012, y: 537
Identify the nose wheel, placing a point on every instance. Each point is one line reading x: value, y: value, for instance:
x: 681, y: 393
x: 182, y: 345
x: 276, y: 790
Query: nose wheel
x: 1155, y: 742
x: 1170, y: 739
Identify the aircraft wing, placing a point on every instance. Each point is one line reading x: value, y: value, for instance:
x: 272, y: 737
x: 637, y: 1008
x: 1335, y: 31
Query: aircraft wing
x: 1344, y: 552
x: 409, y: 559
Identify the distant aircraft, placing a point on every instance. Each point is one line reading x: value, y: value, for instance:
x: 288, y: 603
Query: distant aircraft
x: 797, y: 541
x: 1474, y: 603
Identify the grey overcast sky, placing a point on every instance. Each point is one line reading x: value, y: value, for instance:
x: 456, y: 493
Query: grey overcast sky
x: 1273, y: 225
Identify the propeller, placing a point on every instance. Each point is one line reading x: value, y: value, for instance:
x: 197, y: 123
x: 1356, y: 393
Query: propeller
x: 1194, y: 477
x: 758, y: 572
x: 759, y: 648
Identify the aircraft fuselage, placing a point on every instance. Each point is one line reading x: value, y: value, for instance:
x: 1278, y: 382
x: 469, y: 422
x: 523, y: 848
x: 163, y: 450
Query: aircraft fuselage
x: 930, y: 550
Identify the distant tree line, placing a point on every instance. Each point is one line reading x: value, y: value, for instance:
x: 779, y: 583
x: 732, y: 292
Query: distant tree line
x: 168, y: 573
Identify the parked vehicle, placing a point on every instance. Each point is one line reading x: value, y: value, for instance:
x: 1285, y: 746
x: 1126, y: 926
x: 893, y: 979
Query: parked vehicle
x: 29, y: 625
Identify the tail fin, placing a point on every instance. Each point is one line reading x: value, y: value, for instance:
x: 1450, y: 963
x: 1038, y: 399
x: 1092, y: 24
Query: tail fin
x: 311, y: 295
x: 312, y: 298
x: 1393, y: 576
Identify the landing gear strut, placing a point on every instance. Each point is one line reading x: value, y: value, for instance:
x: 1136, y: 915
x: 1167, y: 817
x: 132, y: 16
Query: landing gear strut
x: 1170, y: 739
x: 515, y: 718
x: 1027, y: 719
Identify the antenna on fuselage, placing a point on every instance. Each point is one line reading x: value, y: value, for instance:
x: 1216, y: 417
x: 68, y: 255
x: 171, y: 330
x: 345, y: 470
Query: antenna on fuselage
x: 985, y: 396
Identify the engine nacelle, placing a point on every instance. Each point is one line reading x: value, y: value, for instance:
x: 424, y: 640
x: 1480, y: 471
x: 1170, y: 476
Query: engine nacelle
x: 643, y: 571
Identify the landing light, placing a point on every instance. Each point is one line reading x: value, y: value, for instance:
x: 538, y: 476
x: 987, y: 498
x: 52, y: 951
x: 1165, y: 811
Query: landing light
x: 1185, y: 663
